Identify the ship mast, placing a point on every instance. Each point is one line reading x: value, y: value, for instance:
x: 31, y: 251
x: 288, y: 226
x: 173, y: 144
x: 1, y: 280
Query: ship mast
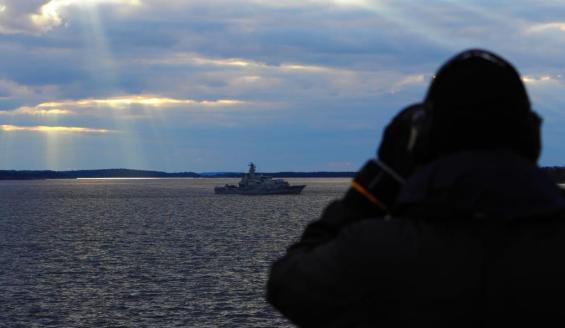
x: 251, y: 170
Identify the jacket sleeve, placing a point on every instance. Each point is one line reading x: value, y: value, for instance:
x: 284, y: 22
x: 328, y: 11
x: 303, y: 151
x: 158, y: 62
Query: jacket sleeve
x: 321, y: 278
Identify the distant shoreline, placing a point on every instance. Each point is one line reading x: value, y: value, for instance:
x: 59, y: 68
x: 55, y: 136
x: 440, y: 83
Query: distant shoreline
x: 556, y: 173
x: 144, y: 174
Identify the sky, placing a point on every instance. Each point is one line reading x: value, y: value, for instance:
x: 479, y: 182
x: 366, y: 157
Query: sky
x: 204, y: 86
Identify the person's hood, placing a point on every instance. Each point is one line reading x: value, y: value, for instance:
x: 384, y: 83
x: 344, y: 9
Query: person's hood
x: 480, y: 184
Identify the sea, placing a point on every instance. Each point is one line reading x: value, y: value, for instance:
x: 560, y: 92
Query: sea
x: 146, y: 252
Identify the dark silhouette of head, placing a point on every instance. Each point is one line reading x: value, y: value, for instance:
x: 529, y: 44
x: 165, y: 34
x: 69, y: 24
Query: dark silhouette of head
x: 477, y: 100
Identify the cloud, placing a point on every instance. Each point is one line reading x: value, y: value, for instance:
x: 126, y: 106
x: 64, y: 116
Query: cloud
x: 248, y: 78
x: 541, y: 79
x: 12, y: 89
x: 41, y: 16
x: 139, y: 100
x: 543, y: 27
x: 51, y: 129
x: 35, y: 112
x: 179, y: 59
x: 117, y: 110
x: 14, y: 95
x: 51, y: 14
x: 410, y: 80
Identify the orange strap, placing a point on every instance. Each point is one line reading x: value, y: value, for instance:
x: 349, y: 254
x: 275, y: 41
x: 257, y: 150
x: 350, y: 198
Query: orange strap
x: 360, y: 189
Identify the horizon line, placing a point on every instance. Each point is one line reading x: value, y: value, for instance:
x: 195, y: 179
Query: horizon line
x: 169, y: 172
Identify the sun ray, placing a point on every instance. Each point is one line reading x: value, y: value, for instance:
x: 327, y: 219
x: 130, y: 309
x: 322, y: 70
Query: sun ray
x: 139, y: 100
x: 99, y: 61
x: 50, y: 129
x: 50, y: 14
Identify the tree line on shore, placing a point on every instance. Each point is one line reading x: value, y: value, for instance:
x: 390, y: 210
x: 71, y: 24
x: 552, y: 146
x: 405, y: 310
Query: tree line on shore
x: 556, y: 173
x: 126, y: 173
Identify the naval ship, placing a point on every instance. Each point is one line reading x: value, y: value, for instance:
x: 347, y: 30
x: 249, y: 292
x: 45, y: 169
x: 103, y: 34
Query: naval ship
x: 257, y: 184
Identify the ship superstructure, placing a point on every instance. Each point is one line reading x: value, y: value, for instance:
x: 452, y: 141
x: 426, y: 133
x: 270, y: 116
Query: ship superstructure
x: 253, y: 183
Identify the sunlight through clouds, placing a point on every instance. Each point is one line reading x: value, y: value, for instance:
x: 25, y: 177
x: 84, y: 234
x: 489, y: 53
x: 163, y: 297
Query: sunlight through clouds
x: 358, y: 3
x: 49, y: 15
x: 41, y: 16
x: 338, y: 3
x: 50, y: 129
x: 407, y: 81
x: 197, y: 60
x: 553, y: 26
x: 177, y: 76
x: 140, y: 100
x: 114, y: 105
x: 35, y: 112
x: 537, y: 79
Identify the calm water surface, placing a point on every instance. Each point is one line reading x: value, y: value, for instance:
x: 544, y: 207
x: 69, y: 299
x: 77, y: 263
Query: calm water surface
x: 145, y: 253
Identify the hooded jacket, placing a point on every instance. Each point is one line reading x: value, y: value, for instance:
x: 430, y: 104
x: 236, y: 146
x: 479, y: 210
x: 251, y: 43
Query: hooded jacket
x: 477, y: 239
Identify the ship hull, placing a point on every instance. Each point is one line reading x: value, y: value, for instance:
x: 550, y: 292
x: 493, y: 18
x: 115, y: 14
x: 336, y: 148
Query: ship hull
x: 291, y: 190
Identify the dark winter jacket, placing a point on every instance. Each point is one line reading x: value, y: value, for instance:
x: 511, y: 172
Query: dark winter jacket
x: 477, y: 239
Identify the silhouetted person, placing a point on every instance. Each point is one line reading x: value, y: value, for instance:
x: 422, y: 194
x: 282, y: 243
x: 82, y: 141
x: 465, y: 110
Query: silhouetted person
x: 454, y: 225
